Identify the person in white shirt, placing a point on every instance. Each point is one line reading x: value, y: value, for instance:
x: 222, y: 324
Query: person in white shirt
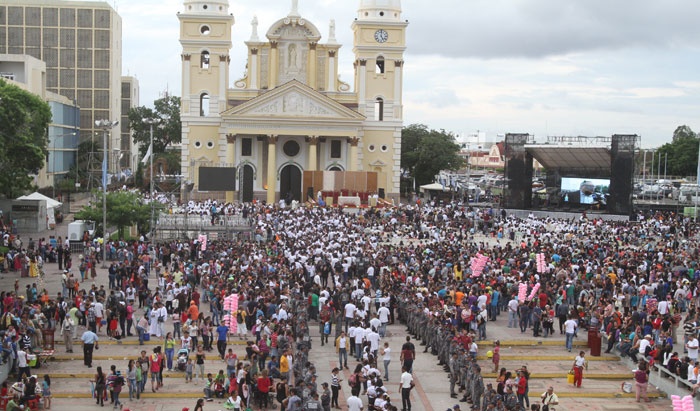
x: 373, y: 338
x: 349, y: 311
x: 577, y: 368
x: 384, y: 315
x: 354, y: 403
x: 643, y: 344
x: 99, y: 313
x: 375, y: 323
x: 570, y: 327
x: 386, y: 357
x: 405, y: 385
x: 692, y: 347
x: 366, y: 301
x: 513, y: 313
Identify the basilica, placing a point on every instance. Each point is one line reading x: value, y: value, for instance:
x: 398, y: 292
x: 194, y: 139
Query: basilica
x: 288, y: 127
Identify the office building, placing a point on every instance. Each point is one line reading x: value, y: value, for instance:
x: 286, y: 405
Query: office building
x: 80, y: 42
x: 29, y: 74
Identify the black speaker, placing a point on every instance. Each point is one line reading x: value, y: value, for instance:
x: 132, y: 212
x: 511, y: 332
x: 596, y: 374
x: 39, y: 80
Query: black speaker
x: 310, y: 193
x: 381, y: 193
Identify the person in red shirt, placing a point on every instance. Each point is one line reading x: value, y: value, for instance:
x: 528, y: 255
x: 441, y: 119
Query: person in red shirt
x: 522, y: 389
x: 155, y: 361
x: 264, y: 384
x: 543, y: 299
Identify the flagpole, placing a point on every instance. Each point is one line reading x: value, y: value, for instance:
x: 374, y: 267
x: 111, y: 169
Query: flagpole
x: 151, y: 122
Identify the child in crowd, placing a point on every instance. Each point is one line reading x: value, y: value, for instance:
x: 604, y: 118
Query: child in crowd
x: 189, y: 368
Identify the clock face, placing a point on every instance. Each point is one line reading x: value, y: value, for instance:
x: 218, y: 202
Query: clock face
x: 381, y: 36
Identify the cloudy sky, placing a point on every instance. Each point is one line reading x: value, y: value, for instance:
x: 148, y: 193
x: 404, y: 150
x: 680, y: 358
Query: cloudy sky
x: 545, y: 67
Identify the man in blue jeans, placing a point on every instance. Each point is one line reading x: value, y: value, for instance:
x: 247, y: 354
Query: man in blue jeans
x: 570, y: 327
x: 142, y: 328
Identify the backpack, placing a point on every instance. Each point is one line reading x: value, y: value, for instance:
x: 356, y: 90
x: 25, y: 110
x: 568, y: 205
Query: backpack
x: 352, y: 381
x: 239, y: 317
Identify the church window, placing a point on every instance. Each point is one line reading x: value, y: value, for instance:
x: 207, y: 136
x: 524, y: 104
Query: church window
x: 247, y: 147
x: 371, y: 148
x: 291, y: 148
x: 381, y: 13
x: 380, y: 65
x: 204, y: 105
x: 335, y: 149
x: 210, y: 144
x: 384, y: 148
x: 205, y: 30
x: 204, y: 61
x: 379, y: 109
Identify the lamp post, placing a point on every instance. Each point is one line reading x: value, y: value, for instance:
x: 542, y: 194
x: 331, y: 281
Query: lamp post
x: 151, y: 122
x: 106, y: 127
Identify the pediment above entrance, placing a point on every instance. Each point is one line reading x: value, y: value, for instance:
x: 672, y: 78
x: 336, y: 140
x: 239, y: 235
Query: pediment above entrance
x: 293, y: 100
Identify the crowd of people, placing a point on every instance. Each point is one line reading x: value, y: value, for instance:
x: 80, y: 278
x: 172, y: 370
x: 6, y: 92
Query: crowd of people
x: 353, y: 274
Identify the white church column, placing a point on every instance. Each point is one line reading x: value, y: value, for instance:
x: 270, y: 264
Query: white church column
x: 274, y: 57
x: 352, y: 162
x: 398, y: 81
x: 271, y: 168
x: 313, y: 61
x: 312, y: 141
x: 253, y: 72
x: 331, y: 71
x: 186, y: 93
x: 223, y: 69
x: 361, y: 87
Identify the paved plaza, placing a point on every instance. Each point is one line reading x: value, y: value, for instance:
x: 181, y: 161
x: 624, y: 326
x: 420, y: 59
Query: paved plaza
x: 547, y: 359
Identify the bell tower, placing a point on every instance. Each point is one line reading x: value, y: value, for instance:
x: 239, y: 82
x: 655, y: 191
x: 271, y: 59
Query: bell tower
x: 379, y: 45
x: 205, y: 36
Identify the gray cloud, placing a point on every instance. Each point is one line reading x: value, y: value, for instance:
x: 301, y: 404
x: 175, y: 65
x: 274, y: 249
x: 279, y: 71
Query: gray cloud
x: 539, y: 28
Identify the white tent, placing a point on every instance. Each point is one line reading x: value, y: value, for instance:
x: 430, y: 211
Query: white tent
x: 50, y: 202
x: 51, y: 206
x: 433, y: 187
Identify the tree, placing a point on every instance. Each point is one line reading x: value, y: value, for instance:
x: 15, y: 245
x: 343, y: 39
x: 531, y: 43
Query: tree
x: 682, y: 132
x: 166, y: 133
x: 124, y: 209
x: 682, y: 152
x: 24, y: 121
x: 424, y: 153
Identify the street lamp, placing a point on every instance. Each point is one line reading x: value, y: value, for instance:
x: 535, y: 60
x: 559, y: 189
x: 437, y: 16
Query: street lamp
x: 106, y: 127
x: 151, y: 122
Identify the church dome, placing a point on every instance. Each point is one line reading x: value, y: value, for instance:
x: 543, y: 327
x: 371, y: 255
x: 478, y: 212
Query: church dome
x: 379, y: 10
x: 211, y: 7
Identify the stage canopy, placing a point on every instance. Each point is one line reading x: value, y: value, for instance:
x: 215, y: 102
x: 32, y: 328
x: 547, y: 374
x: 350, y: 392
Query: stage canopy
x: 565, y: 157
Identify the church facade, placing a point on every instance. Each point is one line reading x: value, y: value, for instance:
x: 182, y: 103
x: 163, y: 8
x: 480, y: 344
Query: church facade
x: 289, y: 112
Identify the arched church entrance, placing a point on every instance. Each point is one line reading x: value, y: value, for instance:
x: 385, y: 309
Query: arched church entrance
x: 290, y: 182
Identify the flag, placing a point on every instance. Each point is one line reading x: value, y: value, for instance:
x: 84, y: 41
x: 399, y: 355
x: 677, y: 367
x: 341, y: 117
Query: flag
x: 149, y: 153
